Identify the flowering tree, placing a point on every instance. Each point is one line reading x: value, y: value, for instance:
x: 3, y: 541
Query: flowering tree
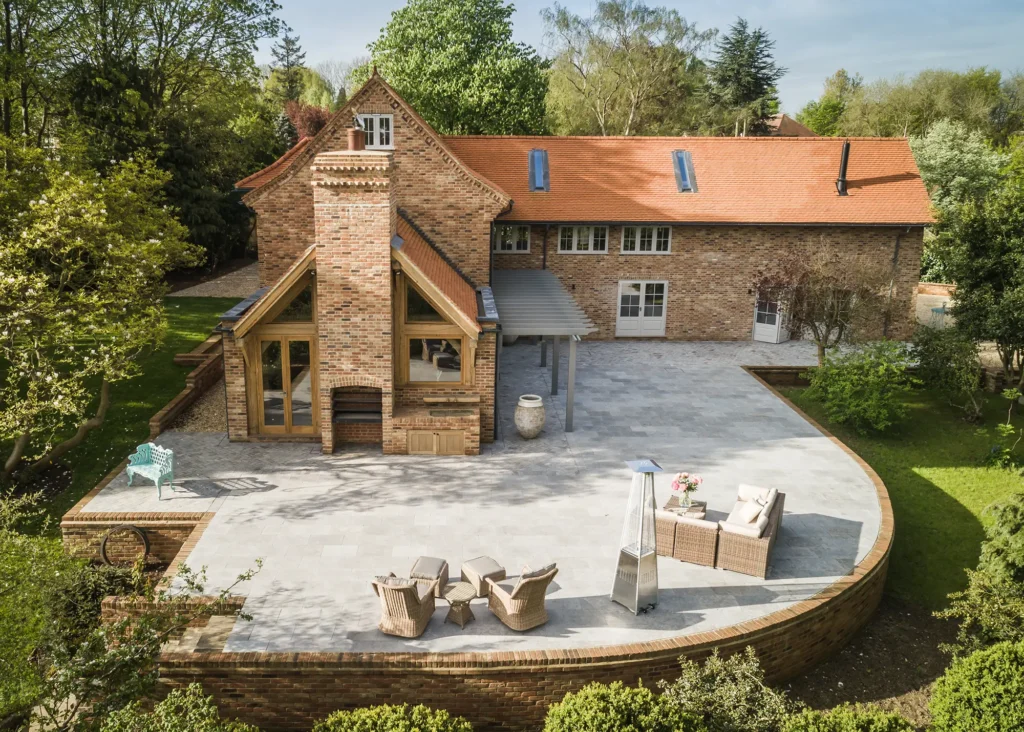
x: 81, y: 270
x: 827, y: 294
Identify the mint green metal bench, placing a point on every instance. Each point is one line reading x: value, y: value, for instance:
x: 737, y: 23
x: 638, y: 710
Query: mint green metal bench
x: 153, y: 462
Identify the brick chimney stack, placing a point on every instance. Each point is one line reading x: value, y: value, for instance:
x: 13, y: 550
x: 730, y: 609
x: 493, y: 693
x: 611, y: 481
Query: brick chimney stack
x: 354, y: 218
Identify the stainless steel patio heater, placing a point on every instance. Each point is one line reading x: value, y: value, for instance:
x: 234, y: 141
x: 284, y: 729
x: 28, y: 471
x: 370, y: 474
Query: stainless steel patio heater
x: 636, y: 577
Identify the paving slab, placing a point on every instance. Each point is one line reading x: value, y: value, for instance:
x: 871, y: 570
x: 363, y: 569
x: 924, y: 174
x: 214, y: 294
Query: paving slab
x: 325, y: 525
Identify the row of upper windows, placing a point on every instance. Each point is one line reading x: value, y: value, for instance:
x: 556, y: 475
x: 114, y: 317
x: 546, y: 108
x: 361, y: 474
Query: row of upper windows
x: 588, y: 240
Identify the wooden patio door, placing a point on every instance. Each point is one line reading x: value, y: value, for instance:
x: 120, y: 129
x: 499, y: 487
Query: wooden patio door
x: 287, y: 384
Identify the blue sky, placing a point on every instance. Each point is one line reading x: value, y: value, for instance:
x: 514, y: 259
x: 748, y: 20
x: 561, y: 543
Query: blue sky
x: 813, y: 37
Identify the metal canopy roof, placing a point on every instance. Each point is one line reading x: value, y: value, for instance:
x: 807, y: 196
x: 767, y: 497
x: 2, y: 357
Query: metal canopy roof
x: 533, y: 302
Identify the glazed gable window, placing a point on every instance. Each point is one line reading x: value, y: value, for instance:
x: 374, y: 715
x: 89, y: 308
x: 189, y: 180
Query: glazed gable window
x: 512, y: 239
x: 583, y: 239
x: 646, y: 239
x: 378, y: 130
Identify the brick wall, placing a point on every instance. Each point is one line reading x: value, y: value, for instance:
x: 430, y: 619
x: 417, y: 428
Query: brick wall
x: 166, y: 537
x: 446, y: 202
x: 359, y: 434
x: 355, y: 220
x: 709, y: 272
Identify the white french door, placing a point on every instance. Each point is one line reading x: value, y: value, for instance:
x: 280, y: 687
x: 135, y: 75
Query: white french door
x: 770, y: 322
x: 641, y: 308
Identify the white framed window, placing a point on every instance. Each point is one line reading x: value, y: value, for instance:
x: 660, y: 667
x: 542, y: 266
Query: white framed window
x: 583, y: 239
x: 512, y: 240
x: 646, y: 239
x: 378, y: 129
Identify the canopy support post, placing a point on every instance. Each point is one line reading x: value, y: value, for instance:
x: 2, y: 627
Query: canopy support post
x: 543, y: 352
x: 554, y: 365
x: 569, y: 392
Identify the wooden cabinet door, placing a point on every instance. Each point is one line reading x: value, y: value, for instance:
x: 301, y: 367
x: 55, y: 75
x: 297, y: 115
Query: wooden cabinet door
x: 451, y: 442
x: 421, y: 442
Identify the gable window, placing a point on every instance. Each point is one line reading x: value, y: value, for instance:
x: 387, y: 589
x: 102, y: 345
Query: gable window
x: 512, y: 239
x: 378, y: 130
x: 430, y: 346
x: 583, y: 239
x: 418, y: 310
x: 646, y: 239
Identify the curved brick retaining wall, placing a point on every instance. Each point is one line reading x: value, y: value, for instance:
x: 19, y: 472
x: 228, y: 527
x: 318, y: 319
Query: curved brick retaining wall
x: 288, y: 691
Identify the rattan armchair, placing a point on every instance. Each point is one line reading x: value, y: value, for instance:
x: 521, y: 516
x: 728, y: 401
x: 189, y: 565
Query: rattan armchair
x: 748, y: 554
x: 405, y: 607
x: 521, y: 606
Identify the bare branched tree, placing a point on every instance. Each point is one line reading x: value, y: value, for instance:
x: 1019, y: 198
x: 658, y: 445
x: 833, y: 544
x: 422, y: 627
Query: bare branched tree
x: 828, y: 294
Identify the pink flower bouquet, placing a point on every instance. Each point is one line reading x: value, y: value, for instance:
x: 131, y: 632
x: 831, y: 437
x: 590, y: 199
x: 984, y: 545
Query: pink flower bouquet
x: 683, y: 485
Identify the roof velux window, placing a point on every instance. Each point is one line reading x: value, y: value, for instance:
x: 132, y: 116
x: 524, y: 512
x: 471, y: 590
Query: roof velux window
x: 540, y: 180
x: 683, y: 164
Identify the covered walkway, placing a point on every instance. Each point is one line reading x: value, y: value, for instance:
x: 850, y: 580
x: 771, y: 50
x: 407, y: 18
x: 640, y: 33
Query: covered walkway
x: 533, y: 302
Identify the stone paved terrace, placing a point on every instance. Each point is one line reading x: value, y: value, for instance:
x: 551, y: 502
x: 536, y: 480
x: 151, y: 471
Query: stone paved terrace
x: 326, y: 524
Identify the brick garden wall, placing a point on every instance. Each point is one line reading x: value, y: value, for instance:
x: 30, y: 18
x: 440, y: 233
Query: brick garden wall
x: 709, y: 272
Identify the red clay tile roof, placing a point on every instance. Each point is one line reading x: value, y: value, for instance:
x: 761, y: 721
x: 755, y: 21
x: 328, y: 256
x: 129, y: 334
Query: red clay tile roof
x: 262, y: 177
x: 438, y: 271
x: 782, y: 125
x: 748, y: 180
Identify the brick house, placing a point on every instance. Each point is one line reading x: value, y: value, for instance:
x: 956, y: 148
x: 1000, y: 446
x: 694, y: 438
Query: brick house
x: 378, y: 250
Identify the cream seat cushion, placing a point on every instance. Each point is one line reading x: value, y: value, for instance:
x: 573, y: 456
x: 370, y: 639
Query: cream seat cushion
x: 752, y: 493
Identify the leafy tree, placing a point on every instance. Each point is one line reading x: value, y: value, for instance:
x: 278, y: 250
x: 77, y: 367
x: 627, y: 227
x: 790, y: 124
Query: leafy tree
x: 902, y: 107
x: 455, y: 62
x: 957, y: 164
x: 985, y: 256
x: 627, y: 69
x: 864, y: 387
x: 289, y: 57
x: 80, y: 286
x: 828, y: 293
x: 983, y: 692
x: 306, y: 119
x: 743, y: 76
x: 184, y: 710
x: 605, y: 707
x: 728, y: 694
x: 848, y: 718
x: 949, y: 362
x: 824, y: 115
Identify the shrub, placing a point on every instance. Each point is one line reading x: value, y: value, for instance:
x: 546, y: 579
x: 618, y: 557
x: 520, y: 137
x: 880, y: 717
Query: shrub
x: 847, y: 718
x: 948, y: 361
x: 182, y: 711
x: 991, y: 609
x: 983, y: 692
x: 393, y: 718
x: 864, y: 387
x: 616, y: 708
x: 728, y: 695
x: 76, y: 596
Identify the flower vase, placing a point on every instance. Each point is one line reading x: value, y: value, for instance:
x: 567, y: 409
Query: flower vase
x: 686, y: 499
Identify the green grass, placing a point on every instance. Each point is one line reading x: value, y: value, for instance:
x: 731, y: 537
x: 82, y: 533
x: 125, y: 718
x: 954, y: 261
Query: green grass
x: 190, y: 320
x: 933, y: 467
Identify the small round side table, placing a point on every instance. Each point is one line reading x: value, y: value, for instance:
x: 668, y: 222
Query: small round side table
x: 458, y: 595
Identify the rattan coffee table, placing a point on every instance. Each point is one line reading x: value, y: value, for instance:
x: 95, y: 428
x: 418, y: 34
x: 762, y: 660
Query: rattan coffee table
x: 458, y: 595
x: 697, y: 509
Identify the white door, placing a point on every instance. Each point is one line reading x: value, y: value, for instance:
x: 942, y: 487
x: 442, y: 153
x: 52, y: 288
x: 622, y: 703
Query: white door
x: 769, y: 322
x: 641, y: 309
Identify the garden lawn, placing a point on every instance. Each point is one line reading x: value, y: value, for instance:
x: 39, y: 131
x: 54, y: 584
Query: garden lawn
x: 190, y: 321
x: 933, y: 466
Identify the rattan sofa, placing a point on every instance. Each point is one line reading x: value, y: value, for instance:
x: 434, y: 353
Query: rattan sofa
x: 405, y: 607
x: 520, y: 604
x: 747, y: 548
x: 685, y: 538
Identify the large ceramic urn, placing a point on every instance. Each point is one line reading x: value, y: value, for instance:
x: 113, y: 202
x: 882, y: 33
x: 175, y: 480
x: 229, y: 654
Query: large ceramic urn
x: 529, y: 416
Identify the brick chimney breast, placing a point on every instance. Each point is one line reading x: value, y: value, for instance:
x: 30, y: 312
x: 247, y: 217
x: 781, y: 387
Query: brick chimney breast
x: 354, y: 213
